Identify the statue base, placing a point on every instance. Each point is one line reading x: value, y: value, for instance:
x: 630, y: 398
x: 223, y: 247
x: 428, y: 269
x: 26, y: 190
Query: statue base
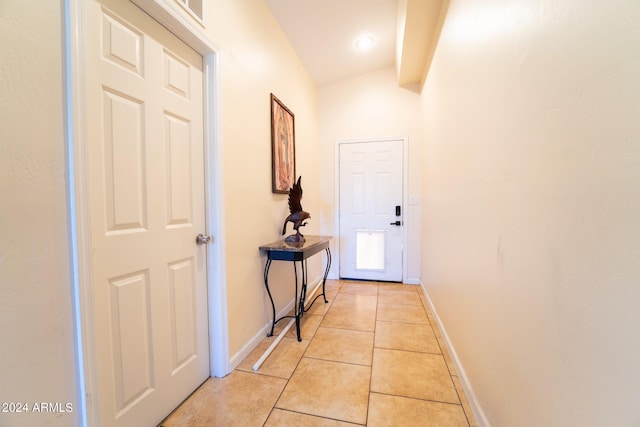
x: 295, y: 239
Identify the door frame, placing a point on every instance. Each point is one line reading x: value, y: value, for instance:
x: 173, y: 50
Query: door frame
x: 405, y: 197
x: 190, y: 32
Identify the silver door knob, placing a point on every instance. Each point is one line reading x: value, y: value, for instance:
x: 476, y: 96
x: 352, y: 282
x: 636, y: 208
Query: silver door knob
x: 203, y: 239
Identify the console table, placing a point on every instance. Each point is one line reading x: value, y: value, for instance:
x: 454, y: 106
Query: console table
x: 282, y: 251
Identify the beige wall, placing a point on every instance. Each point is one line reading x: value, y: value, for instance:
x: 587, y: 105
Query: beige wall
x: 531, y: 207
x: 36, y: 329
x: 256, y: 59
x: 36, y: 324
x: 370, y: 106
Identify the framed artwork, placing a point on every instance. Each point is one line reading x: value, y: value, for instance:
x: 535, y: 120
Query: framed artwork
x: 283, y: 147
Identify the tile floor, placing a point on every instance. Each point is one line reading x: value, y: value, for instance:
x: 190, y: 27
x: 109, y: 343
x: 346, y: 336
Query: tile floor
x: 371, y: 356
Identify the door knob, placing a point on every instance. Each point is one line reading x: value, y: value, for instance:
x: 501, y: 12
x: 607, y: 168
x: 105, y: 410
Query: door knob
x: 203, y: 239
x: 398, y: 223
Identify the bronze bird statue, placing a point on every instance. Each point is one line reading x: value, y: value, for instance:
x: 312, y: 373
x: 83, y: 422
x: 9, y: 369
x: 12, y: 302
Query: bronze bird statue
x: 297, y: 216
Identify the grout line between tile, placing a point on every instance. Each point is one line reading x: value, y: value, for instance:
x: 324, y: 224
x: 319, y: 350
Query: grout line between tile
x: 416, y: 398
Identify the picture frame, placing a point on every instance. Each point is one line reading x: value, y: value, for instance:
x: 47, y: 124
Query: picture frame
x: 283, y: 147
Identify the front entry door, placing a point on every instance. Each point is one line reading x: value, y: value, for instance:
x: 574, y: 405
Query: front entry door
x: 146, y: 186
x: 371, y: 212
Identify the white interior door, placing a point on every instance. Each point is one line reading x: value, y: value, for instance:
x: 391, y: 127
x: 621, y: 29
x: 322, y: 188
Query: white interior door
x: 371, y: 211
x: 146, y: 173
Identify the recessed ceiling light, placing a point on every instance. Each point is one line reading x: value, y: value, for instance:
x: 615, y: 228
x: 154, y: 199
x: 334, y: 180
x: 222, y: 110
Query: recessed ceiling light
x: 365, y: 42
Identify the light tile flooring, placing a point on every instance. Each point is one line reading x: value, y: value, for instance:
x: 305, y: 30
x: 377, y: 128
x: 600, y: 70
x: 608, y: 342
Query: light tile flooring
x: 371, y: 356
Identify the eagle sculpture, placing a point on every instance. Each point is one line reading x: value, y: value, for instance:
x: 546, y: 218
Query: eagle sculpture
x: 297, y: 216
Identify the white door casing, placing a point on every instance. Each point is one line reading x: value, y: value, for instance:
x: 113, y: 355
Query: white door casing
x: 146, y: 188
x: 370, y: 187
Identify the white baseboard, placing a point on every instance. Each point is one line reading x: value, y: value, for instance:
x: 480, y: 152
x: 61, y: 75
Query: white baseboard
x: 478, y: 413
x: 246, y: 349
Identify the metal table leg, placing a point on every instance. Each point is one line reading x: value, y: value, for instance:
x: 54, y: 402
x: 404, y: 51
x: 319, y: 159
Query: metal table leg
x: 324, y: 281
x: 299, y: 302
x: 273, y: 306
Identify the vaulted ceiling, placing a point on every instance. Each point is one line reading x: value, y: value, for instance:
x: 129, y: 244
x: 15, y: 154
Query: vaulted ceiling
x: 324, y: 33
